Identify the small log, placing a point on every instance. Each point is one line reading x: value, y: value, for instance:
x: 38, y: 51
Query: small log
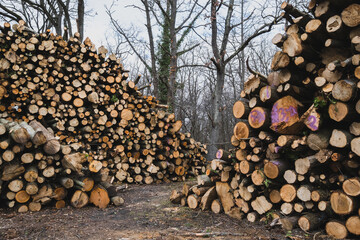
x: 353, y: 225
x: 287, y: 208
x: 304, y: 193
x: 208, y: 198
x: 288, y: 193
x: 274, y: 196
x: 34, y: 206
x: 344, y: 90
x: 223, y: 191
x: 340, y: 138
x: 289, y: 223
x: 216, y: 206
x: 303, y: 165
x: 261, y: 205
x: 311, y: 221
x: 355, y: 145
x: 117, y: 201
x: 241, y: 130
x: 193, y: 201
x: 351, y: 186
x: 175, y: 197
x: 275, y: 168
x: 79, y: 199
x: 99, y: 197
x: 319, y: 140
x: 259, y: 118
x: 241, y: 109
x: 341, y: 203
x: 350, y: 15
x: 22, y: 196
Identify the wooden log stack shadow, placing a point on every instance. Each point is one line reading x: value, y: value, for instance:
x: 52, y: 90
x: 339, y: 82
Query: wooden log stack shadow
x: 296, y: 146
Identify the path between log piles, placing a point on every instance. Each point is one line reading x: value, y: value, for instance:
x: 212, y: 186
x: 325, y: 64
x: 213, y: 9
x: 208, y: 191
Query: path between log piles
x: 146, y: 214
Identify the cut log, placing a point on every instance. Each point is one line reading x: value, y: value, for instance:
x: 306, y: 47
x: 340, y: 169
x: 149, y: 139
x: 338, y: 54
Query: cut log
x: 240, y: 109
x: 216, y: 206
x: 288, y: 193
x: 99, y: 197
x: 351, y: 186
x: 285, y: 117
x: 175, y: 197
x: 241, y: 130
x: 355, y: 145
x: 311, y: 221
x: 340, y: 138
x: 319, y: 140
x: 350, y: 15
x: 341, y: 203
x: 304, y: 193
x: 79, y: 199
x: 261, y: 205
x: 353, y: 225
x: 208, y: 198
x: 303, y: 165
x: 193, y: 201
x: 259, y: 118
x: 223, y: 191
x: 344, y: 90
x: 275, y: 168
x: 22, y: 196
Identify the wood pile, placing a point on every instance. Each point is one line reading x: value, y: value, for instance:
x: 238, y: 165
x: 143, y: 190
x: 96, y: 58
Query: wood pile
x: 296, y: 153
x: 92, y: 106
x: 36, y: 170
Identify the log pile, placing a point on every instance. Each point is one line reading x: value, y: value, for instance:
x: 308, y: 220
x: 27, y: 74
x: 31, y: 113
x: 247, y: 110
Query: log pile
x: 297, y: 143
x: 89, y: 102
x: 36, y: 170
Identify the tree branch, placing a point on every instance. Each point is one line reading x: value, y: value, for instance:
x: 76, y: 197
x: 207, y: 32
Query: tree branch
x: 10, y: 14
x: 263, y: 29
x: 122, y: 33
x: 186, y: 50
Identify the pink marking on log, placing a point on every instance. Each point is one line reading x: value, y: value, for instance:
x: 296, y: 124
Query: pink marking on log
x: 312, y: 123
x: 257, y: 116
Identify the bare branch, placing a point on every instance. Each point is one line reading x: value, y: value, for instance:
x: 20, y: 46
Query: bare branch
x: 263, y: 29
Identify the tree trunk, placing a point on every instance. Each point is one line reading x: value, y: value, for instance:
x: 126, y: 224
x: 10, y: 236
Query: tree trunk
x: 80, y: 19
x: 216, y: 135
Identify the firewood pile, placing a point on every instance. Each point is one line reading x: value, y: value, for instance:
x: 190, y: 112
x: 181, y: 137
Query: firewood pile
x: 87, y: 99
x: 297, y: 143
x: 36, y: 171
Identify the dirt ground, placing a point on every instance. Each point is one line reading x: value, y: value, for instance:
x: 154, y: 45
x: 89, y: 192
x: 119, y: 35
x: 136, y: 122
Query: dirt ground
x: 146, y: 214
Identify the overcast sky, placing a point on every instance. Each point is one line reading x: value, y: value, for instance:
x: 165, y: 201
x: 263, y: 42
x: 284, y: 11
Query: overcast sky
x: 97, y: 26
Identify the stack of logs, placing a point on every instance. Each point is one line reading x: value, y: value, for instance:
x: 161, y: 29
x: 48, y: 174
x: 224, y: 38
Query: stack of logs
x: 87, y: 99
x: 297, y: 144
x: 36, y: 171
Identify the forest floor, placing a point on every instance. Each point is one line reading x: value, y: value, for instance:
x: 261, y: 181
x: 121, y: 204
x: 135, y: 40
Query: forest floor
x: 146, y: 214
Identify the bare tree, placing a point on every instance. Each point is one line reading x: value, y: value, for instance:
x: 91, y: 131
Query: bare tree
x: 221, y: 58
x: 175, y: 19
x: 46, y: 14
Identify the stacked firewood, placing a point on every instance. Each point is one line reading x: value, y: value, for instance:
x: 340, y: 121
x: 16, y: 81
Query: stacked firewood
x: 36, y: 170
x: 297, y: 144
x: 87, y: 99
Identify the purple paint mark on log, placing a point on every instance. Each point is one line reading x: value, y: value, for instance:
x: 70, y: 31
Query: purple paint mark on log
x: 218, y: 154
x: 277, y: 149
x: 257, y: 116
x: 282, y: 114
x: 268, y: 89
x: 312, y: 123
